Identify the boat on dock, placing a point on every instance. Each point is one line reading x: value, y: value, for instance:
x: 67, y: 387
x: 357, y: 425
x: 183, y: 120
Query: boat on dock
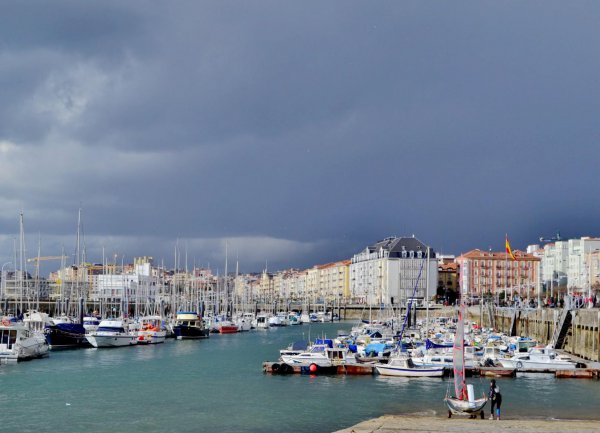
x: 322, y: 354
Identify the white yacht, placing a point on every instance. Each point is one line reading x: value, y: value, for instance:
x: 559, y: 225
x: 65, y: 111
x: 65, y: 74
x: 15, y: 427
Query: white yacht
x: 543, y: 358
x: 36, y: 321
x: 111, y: 333
x: 403, y: 366
x: 262, y: 321
x: 90, y: 323
x: 319, y: 354
x: 17, y: 343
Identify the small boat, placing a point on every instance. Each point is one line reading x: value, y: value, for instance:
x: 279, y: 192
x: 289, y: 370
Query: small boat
x: 294, y: 319
x: 17, y: 343
x: 151, y: 330
x: 403, y: 366
x: 262, y: 321
x: 189, y: 325
x: 320, y: 354
x: 463, y: 402
x: 112, y: 333
x: 244, y: 322
x: 228, y: 327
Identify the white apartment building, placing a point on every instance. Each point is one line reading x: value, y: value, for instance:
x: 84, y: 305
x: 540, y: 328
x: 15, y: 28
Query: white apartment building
x: 566, y: 264
x: 390, y: 270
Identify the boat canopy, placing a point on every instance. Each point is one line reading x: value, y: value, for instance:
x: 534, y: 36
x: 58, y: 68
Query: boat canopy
x: 327, y: 341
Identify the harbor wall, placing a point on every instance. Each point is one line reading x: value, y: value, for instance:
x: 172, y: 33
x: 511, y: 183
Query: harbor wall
x: 582, y: 338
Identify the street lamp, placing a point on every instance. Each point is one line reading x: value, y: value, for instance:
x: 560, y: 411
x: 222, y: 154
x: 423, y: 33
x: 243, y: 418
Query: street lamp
x: 3, y: 282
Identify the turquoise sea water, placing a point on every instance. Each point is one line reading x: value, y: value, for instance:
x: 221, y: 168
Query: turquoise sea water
x: 217, y: 385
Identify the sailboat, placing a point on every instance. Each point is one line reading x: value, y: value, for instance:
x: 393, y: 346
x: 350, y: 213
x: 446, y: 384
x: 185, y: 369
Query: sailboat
x: 463, y: 402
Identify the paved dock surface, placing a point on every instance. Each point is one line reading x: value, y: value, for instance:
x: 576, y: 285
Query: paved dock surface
x: 421, y: 424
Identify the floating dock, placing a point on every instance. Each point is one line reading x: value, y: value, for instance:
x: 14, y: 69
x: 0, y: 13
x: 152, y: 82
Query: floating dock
x: 369, y: 369
x: 347, y: 369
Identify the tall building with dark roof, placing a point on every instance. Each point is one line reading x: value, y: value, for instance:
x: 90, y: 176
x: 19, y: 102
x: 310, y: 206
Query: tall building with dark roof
x: 393, y: 270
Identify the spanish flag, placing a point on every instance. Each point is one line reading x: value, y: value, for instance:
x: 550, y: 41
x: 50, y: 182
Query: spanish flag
x: 509, y: 250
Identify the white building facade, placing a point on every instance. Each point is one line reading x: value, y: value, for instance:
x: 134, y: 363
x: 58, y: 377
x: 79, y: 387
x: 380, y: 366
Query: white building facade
x: 567, y: 264
x: 392, y: 271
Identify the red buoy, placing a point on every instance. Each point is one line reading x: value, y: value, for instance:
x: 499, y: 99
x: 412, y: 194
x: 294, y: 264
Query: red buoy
x: 313, y: 368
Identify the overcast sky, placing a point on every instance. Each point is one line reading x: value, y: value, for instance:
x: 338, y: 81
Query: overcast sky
x: 300, y: 132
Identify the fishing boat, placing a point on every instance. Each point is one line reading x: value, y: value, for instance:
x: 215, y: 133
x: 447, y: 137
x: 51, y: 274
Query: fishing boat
x: 188, y: 325
x: 463, y: 402
x: 402, y: 365
x: 112, y: 333
x: 17, y: 343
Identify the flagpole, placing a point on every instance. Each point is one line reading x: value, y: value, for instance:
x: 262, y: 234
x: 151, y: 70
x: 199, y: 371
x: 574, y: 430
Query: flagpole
x: 505, y: 268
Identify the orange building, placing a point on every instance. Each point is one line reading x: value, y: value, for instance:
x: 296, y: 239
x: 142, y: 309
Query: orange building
x: 484, y: 273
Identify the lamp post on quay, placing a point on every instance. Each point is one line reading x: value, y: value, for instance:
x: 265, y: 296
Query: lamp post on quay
x: 3, y: 278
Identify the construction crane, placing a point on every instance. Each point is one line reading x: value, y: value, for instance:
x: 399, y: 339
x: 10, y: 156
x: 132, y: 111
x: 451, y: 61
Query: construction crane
x: 554, y: 238
x: 44, y: 258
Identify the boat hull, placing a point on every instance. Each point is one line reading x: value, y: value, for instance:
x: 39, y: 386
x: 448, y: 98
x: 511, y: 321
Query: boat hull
x: 66, y: 336
x: 385, y: 370
x: 524, y: 364
x: 112, y: 340
x: 465, y: 407
x: 151, y: 337
x: 190, y: 332
x: 228, y: 329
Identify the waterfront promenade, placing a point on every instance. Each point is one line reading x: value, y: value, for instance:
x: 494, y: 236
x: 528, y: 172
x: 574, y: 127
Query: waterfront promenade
x: 423, y: 424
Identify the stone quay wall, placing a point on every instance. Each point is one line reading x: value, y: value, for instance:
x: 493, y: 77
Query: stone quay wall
x: 583, y: 336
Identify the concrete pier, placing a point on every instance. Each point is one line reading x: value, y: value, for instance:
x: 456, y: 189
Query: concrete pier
x: 421, y: 424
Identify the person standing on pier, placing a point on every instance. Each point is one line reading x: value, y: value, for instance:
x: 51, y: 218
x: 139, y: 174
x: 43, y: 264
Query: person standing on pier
x: 495, y: 399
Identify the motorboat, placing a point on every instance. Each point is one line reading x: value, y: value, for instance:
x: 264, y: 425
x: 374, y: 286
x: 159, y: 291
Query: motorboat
x: 402, y: 365
x: 17, y: 343
x: 294, y: 319
x: 538, y: 357
x: 36, y: 321
x: 275, y: 320
x: 188, y: 325
x: 66, y: 335
x: 322, y: 355
x: 91, y: 323
x: 151, y: 330
x: 112, y: 333
x: 228, y: 327
x: 262, y: 321
x: 295, y: 348
x: 244, y: 322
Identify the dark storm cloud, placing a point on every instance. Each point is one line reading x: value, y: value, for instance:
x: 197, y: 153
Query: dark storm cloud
x: 312, y: 128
